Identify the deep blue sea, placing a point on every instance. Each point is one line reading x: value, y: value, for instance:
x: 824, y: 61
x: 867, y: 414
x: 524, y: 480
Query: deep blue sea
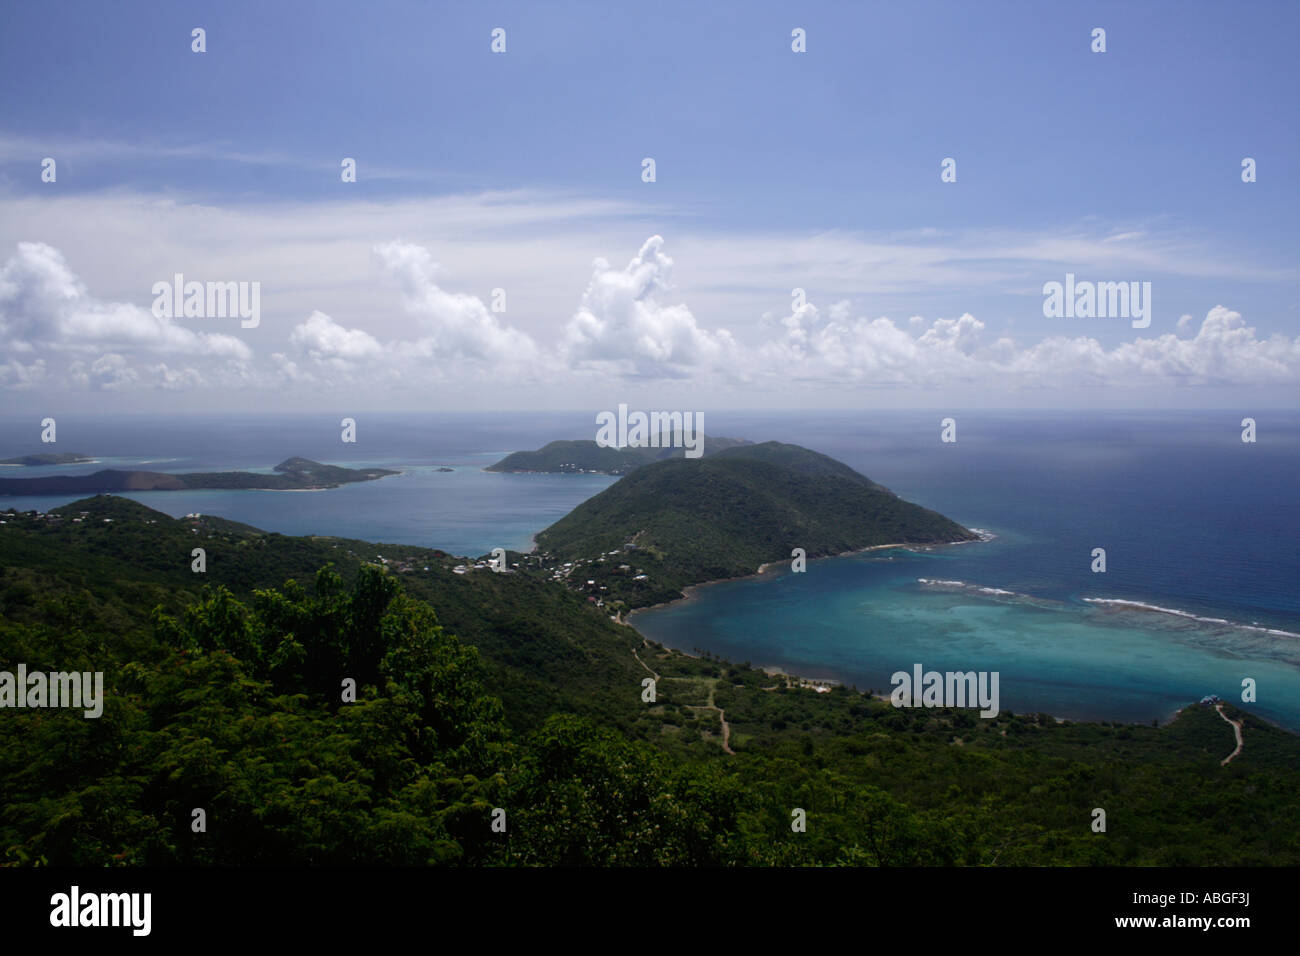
x: 1198, y: 526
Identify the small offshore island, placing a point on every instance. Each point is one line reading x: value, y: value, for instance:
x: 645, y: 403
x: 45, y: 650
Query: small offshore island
x: 50, y: 458
x: 294, y: 474
x: 586, y: 457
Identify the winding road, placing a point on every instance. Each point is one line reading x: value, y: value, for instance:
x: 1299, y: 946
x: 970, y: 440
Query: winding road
x: 1236, y: 728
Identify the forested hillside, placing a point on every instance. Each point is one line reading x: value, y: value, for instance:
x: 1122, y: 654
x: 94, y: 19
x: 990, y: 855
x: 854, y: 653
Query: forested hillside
x: 690, y: 521
x: 224, y: 692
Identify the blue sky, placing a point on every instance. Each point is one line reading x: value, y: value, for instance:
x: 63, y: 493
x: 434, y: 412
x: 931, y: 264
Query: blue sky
x: 819, y: 170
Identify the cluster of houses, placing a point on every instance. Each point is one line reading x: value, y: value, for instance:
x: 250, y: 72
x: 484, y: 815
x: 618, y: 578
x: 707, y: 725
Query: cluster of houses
x: 403, y: 566
x: 563, y: 573
x: 47, y: 516
x: 50, y: 518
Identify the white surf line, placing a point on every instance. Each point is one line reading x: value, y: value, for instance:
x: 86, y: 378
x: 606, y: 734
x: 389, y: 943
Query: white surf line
x: 1142, y: 606
x: 1236, y: 728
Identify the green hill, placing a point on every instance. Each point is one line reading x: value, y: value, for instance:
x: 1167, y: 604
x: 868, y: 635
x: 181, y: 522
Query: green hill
x: 682, y: 522
x: 563, y: 457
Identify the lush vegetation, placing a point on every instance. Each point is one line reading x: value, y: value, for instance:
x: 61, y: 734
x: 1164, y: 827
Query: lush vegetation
x: 480, y: 691
x: 586, y: 456
x: 291, y: 473
x: 682, y: 522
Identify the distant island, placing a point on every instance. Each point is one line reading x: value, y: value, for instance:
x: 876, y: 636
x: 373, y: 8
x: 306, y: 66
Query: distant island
x: 56, y: 458
x: 294, y: 474
x: 671, y: 524
x: 587, y: 457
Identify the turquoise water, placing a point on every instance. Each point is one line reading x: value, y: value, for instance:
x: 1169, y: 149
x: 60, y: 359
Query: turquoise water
x: 858, y: 619
x: 1193, y: 521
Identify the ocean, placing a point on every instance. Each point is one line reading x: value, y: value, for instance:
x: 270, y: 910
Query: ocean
x: 467, y: 511
x: 1199, y: 529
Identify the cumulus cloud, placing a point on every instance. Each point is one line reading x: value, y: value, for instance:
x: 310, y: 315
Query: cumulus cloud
x: 109, y: 372
x: 14, y: 374
x: 456, y: 325
x: 625, y: 328
x: 871, y: 351
x: 324, y: 340
x: 290, y: 369
x: 456, y: 335
x: 1224, y: 351
x: 44, y: 304
x: 112, y: 372
x: 622, y: 326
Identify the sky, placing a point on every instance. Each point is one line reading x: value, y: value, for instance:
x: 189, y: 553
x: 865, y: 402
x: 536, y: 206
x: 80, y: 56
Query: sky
x: 501, y: 247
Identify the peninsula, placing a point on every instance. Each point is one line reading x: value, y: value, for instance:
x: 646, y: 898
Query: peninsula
x: 675, y: 523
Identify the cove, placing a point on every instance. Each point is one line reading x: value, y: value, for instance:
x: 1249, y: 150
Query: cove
x: 858, y: 619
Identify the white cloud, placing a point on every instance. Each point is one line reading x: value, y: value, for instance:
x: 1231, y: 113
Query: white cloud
x: 1224, y: 351
x: 43, y: 303
x: 622, y: 326
x: 324, y: 340
x: 14, y: 374
x: 629, y: 328
x: 112, y: 372
x: 176, y: 379
x: 109, y: 372
x: 456, y: 325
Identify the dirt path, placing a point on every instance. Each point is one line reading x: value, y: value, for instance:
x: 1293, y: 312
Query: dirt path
x: 722, y: 719
x: 1236, y: 728
x: 711, y: 705
x: 644, y: 664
